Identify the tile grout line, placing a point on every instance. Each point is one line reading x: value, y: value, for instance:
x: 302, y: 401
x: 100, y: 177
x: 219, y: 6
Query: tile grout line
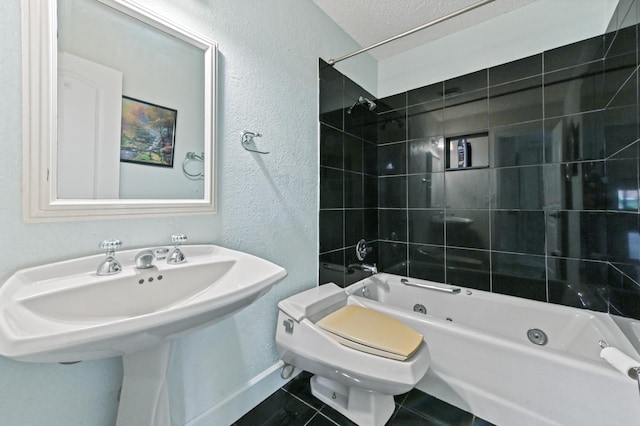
x: 318, y: 413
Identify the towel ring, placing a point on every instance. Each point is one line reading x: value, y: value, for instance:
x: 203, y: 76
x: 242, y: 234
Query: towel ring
x: 192, y: 156
x: 247, y: 141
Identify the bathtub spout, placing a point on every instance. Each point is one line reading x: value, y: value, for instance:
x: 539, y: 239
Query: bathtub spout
x: 364, y: 267
x: 370, y: 268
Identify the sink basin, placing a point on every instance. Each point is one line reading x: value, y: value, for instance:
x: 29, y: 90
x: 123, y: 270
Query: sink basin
x: 102, y: 299
x: 64, y: 312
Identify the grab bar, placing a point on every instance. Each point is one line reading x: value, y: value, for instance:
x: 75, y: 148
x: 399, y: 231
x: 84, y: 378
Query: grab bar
x: 453, y: 290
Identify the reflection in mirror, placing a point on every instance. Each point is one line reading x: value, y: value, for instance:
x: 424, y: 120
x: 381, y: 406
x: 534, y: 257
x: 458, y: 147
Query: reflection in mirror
x: 129, y: 127
x: 146, y: 64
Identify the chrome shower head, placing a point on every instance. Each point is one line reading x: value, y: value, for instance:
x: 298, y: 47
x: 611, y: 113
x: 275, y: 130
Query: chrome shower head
x: 363, y: 101
x: 372, y: 105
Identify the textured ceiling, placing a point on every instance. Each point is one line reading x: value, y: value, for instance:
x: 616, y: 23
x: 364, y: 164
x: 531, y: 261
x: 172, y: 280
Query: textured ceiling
x: 371, y: 21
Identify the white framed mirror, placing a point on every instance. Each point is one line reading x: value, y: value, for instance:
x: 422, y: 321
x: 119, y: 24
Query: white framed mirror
x: 119, y: 107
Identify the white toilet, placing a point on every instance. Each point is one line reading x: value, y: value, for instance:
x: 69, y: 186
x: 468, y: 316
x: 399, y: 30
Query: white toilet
x: 360, y: 357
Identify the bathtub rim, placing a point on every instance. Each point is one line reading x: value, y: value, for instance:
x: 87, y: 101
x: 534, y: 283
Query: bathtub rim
x: 617, y: 335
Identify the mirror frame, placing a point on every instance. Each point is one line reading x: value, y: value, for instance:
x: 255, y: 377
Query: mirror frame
x: 39, y: 122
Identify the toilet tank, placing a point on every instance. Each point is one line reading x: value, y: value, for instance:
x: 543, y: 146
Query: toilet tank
x: 314, y: 303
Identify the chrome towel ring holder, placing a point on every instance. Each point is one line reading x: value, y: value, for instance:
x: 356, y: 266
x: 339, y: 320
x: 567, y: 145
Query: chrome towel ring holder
x: 188, y: 158
x: 248, y: 143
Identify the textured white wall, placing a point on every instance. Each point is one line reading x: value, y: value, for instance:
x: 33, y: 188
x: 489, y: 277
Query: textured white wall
x: 534, y: 28
x: 267, y: 205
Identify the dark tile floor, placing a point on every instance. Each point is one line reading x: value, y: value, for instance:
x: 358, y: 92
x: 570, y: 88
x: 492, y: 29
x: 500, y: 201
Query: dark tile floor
x: 293, y: 405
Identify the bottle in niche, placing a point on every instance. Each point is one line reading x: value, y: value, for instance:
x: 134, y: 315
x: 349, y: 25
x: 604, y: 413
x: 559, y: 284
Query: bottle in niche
x: 464, y: 153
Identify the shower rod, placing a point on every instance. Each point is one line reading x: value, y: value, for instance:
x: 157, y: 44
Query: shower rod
x: 332, y: 62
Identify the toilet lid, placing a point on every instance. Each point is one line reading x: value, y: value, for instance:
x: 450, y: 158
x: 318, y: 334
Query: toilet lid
x: 372, y: 332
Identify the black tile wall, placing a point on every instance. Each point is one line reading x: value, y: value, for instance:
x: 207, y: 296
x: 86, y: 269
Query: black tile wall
x: 392, y: 159
x: 392, y: 257
x: 467, y: 189
x: 392, y: 192
x: 426, y: 190
x: 516, y: 70
x: 517, y: 144
x: 426, y: 226
x: 515, y: 102
x: 621, y: 128
x: 466, y: 113
x: 432, y: 93
x: 467, y: 228
x: 581, y: 52
x: 349, y: 175
x: 554, y: 217
x: 426, y: 155
x: 470, y: 268
x: 392, y: 224
x: 518, y: 188
x: 576, y: 137
x: 586, y: 292
x: 425, y: 119
x: 519, y: 275
x: 426, y: 261
x: 392, y: 126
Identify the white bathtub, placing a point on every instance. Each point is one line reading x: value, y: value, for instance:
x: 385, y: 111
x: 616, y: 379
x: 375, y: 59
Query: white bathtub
x: 483, y: 362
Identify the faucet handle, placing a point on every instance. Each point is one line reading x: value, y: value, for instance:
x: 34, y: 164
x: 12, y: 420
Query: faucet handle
x: 177, y: 256
x: 110, y: 265
x: 110, y: 246
x: 178, y: 239
x: 362, y: 250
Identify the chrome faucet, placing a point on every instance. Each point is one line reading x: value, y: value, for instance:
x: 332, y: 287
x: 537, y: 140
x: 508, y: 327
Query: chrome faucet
x: 144, y: 259
x: 110, y: 265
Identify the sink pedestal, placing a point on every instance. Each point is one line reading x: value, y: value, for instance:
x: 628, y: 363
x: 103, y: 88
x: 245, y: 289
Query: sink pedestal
x: 144, y: 400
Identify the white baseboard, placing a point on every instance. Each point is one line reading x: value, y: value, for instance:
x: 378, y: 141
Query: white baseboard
x: 244, y: 399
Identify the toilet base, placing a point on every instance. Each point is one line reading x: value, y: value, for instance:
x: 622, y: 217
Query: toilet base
x: 364, y: 407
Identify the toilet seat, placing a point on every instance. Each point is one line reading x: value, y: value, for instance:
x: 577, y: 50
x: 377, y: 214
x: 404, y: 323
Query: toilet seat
x: 371, y: 332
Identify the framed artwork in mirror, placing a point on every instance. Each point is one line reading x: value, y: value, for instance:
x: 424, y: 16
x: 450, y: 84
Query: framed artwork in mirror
x: 148, y: 133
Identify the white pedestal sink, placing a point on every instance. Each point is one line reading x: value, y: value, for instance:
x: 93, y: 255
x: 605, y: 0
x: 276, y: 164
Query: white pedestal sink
x: 65, y: 312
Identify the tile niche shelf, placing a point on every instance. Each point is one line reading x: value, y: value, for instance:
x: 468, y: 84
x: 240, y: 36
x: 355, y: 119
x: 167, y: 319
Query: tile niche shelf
x: 476, y: 152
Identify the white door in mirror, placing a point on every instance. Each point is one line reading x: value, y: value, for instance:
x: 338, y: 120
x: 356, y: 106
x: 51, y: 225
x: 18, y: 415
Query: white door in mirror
x: 89, y: 113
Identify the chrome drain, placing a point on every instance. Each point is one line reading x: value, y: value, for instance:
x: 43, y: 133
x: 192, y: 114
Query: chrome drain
x: 419, y: 308
x: 537, y: 337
